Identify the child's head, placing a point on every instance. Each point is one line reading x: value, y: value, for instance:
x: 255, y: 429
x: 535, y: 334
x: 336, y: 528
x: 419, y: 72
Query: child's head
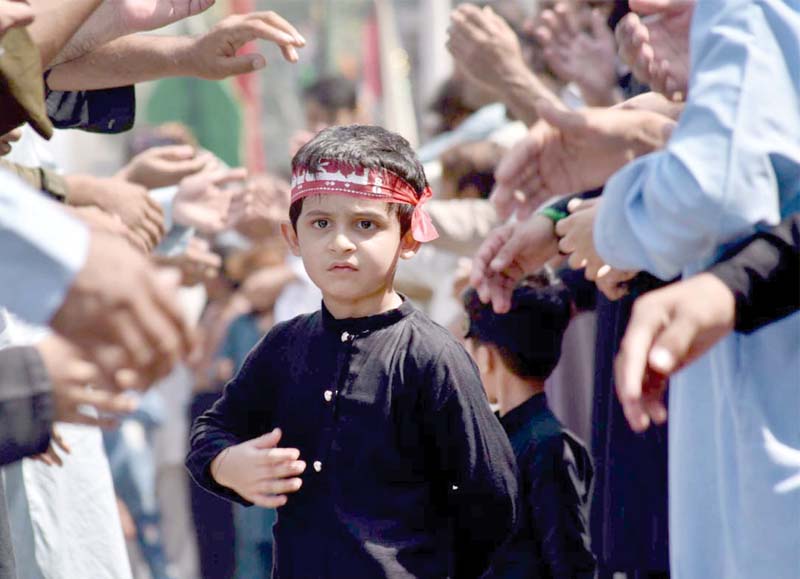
x: 331, y: 100
x: 527, y: 339
x: 357, y: 193
x: 468, y: 170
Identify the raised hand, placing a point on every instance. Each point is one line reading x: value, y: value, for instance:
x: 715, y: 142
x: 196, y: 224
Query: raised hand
x: 573, y: 151
x: 213, y: 55
x: 259, y: 471
x: 508, y: 254
x: 484, y: 45
x: 13, y: 14
x: 164, y: 166
x: 575, y: 52
x: 204, y: 199
x: 197, y: 264
x: 669, y: 328
x: 576, y: 237
x: 8, y: 139
x: 656, y: 47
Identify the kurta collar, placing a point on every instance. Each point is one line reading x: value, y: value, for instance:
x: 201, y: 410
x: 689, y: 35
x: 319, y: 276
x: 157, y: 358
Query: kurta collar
x: 524, y: 413
x: 356, y: 326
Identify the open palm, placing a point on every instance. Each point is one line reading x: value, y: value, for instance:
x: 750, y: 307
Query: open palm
x: 152, y: 14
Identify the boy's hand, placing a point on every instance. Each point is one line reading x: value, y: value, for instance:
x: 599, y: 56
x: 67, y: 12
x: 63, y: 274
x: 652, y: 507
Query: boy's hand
x: 259, y: 471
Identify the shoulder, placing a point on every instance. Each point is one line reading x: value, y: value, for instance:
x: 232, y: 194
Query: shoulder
x: 284, y: 335
x: 432, y: 344
x: 555, y: 450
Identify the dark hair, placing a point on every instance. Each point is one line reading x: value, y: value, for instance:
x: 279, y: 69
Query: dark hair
x: 333, y: 92
x: 365, y: 146
x: 472, y: 164
x: 528, y: 337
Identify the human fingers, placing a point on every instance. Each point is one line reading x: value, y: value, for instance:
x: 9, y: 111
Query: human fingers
x: 151, y: 231
x: 230, y: 176
x: 672, y: 347
x: 57, y: 440
x: 648, y: 7
x: 242, y: 64
x: 268, y: 502
x: 174, y: 152
x: 15, y: 14
x: 5, y: 149
x: 276, y: 456
x: 287, y: 469
x: 567, y: 25
x: 279, y: 487
x: 163, y: 287
x: 487, y: 252
x: 654, y: 403
x: 51, y: 456
x: 508, y: 254
x: 468, y: 23
x: 501, y: 290
x: 631, y: 362
x: 277, y: 21
x: 269, y: 439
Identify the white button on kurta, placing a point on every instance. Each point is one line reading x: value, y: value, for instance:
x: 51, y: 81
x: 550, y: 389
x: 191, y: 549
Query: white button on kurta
x: 328, y: 395
x: 317, y: 466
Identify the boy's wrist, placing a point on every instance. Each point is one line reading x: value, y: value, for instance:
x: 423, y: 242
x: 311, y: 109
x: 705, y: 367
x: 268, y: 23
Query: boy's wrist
x: 216, y: 468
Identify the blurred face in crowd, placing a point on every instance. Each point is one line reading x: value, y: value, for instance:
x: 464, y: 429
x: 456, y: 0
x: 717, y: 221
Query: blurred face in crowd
x: 319, y: 117
x: 350, y: 247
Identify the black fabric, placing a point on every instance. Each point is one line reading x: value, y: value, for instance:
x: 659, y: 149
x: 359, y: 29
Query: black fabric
x: 108, y: 111
x: 764, y: 275
x: 629, y: 525
x: 212, y: 516
x: 417, y: 477
x: 26, y: 405
x: 551, y: 539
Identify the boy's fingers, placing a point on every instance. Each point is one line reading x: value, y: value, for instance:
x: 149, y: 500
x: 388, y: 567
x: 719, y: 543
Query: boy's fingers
x: 269, y: 501
x: 275, y: 456
x: 287, y: 469
x: 268, y: 440
x: 280, y: 487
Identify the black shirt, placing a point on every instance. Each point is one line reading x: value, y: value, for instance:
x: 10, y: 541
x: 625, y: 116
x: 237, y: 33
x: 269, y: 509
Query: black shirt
x: 555, y: 475
x: 409, y: 474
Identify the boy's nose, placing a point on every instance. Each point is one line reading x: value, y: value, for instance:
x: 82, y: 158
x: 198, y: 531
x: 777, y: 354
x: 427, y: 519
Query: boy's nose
x: 342, y: 243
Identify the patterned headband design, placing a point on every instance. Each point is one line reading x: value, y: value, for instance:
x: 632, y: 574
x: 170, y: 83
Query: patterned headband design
x: 335, y: 178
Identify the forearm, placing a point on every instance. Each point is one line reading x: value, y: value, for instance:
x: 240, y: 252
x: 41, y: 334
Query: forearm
x: 56, y: 22
x: 102, y: 27
x: 125, y: 61
x: 520, y: 90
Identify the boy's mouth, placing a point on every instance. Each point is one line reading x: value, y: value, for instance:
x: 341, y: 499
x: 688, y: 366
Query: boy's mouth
x: 343, y: 266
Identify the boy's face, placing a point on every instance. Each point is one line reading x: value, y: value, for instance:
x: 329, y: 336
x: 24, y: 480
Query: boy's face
x: 350, y: 247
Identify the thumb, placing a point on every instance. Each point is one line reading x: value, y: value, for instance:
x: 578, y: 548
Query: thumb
x: 176, y: 152
x: 671, y: 349
x: 242, y: 64
x: 268, y: 440
x: 560, y: 118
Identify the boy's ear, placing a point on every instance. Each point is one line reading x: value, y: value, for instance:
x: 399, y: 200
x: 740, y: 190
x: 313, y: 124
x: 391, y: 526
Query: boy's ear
x: 409, y: 246
x: 290, y: 235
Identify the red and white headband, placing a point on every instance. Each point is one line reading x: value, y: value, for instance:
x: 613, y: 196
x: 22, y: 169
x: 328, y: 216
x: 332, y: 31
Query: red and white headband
x: 336, y: 178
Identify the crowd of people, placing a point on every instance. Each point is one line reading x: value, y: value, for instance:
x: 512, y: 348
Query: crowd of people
x: 558, y: 339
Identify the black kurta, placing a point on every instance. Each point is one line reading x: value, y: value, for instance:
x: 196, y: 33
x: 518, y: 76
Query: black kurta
x: 555, y: 476
x: 409, y: 473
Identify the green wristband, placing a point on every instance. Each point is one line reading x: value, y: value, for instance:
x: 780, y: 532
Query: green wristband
x: 554, y: 214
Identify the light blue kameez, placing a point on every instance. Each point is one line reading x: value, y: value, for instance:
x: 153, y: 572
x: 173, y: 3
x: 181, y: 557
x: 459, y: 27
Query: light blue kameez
x: 732, y: 166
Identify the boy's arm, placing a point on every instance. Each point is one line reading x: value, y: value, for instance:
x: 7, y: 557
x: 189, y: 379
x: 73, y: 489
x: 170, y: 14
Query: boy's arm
x: 559, y: 479
x: 475, y: 461
x: 241, y: 414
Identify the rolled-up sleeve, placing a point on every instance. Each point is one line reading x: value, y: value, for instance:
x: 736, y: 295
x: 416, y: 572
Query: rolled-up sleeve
x: 733, y: 149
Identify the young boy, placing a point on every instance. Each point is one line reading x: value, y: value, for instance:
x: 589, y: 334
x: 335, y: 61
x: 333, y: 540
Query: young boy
x: 516, y: 352
x: 410, y: 474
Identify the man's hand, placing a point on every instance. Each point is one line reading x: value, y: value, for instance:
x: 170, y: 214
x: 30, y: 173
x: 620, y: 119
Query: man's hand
x: 656, y: 47
x: 122, y: 315
x: 104, y: 222
x: 576, y: 237
x: 573, y: 151
x: 669, y: 328
x: 205, y: 200
x: 8, y: 139
x: 197, y: 264
x: 213, y: 55
x: 508, y: 254
x: 484, y: 46
x: 131, y: 202
x: 579, y: 47
x: 164, y: 166
x: 614, y: 282
x: 14, y: 13
x: 263, y: 287
x: 259, y: 471
x: 50, y: 457
x: 71, y: 376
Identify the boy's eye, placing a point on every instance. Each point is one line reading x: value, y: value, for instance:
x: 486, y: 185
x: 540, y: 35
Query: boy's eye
x: 320, y: 223
x: 365, y: 224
